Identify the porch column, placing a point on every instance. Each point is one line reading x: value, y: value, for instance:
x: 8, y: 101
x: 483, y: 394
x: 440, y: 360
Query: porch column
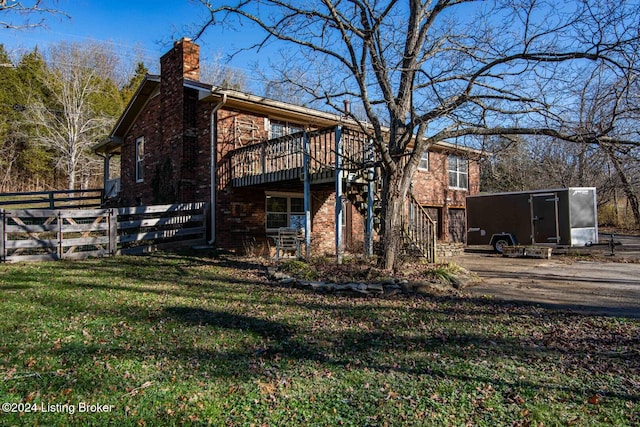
x: 106, y: 170
x: 307, y: 196
x: 339, y: 212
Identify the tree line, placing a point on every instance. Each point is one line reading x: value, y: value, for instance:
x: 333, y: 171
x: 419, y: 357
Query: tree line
x: 531, y: 163
x: 55, y: 105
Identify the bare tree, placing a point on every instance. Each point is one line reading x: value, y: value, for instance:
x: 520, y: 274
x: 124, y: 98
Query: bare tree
x: 74, y: 118
x: 215, y: 72
x: 433, y: 70
x: 10, y: 10
x: 603, y: 107
x: 611, y: 107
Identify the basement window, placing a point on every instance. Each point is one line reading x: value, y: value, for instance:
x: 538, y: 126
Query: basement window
x: 283, y: 210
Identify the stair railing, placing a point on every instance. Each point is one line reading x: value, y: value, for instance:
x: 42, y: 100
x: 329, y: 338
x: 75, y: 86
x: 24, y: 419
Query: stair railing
x: 419, y: 230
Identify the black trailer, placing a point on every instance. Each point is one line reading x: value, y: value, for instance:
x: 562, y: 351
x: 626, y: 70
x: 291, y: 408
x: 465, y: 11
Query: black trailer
x: 561, y: 217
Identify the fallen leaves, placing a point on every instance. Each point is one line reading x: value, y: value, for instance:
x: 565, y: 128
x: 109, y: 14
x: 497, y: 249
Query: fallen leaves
x: 595, y: 399
x: 138, y: 390
x: 441, y: 360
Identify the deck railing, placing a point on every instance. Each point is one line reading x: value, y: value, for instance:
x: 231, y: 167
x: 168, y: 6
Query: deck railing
x: 277, y: 159
x: 282, y: 159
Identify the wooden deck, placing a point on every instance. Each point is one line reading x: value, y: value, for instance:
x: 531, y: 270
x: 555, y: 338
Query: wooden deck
x: 282, y: 159
x: 285, y: 159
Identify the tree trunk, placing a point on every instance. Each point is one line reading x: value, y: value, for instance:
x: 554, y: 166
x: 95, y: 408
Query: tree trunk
x: 627, y: 188
x: 71, y: 177
x: 393, y: 197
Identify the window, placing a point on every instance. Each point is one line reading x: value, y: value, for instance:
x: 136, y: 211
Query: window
x: 140, y: 159
x: 424, y: 161
x: 458, y: 172
x: 280, y: 129
x: 284, y: 211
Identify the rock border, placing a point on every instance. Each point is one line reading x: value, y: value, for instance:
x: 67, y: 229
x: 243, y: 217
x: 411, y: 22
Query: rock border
x: 385, y: 288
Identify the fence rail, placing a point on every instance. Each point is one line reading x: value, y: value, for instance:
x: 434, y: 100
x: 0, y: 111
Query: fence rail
x: 45, y: 234
x: 58, y: 199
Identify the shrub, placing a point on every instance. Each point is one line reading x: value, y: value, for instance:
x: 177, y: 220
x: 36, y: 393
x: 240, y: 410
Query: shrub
x: 444, y: 273
x: 299, y: 269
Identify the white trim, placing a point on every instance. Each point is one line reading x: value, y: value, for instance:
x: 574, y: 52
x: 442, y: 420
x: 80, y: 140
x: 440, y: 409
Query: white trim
x: 139, y: 164
x: 285, y: 195
x: 422, y: 158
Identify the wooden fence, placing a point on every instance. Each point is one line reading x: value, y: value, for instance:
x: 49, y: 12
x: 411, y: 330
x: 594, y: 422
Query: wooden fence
x: 45, y: 234
x: 59, y: 199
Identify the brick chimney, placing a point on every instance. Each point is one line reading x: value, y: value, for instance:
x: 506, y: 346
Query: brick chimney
x: 183, y: 60
x: 178, y: 123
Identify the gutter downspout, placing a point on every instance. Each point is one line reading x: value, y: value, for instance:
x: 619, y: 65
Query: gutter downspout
x: 105, y: 175
x: 213, y: 135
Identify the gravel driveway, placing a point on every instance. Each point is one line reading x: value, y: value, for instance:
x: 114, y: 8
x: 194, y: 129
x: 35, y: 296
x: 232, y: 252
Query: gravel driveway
x: 607, y: 287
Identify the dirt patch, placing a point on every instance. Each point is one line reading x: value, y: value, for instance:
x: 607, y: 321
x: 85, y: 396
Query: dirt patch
x: 591, y: 281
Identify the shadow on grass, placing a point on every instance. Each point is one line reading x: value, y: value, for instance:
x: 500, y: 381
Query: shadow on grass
x: 219, y: 319
x: 16, y: 287
x: 393, y: 346
x: 562, y: 308
x: 384, y: 352
x: 172, y: 274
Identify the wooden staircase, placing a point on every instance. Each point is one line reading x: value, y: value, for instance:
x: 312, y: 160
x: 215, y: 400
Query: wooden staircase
x: 419, y: 231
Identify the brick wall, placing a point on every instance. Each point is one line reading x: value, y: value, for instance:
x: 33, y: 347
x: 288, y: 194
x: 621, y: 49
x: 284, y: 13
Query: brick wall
x: 145, y: 126
x: 241, y: 220
x: 175, y: 126
x: 431, y: 189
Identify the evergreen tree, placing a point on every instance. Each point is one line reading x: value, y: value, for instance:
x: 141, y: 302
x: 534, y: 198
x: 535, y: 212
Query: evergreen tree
x: 132, y: 85
x: 35, y: 162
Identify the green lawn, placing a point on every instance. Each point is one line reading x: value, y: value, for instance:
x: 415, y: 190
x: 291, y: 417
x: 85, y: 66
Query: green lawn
x: 175, y: 339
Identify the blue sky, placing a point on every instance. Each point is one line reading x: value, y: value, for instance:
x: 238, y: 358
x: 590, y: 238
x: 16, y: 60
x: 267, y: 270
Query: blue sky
x: 147, y: 27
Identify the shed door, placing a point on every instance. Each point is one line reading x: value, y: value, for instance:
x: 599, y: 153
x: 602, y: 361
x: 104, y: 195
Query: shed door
x: 544, y: 218
x: 457, y: 225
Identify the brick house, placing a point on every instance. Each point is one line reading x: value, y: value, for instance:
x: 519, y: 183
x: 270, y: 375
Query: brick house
x: 180, y: 138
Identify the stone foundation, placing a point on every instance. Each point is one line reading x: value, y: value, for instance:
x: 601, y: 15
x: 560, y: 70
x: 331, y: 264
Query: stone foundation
x: 449, y: 250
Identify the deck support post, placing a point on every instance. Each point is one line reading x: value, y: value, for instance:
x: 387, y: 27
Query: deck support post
x: 339, y: 210
x: 2, y: 236
x: 368, y: 238
x: 307, y: 196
